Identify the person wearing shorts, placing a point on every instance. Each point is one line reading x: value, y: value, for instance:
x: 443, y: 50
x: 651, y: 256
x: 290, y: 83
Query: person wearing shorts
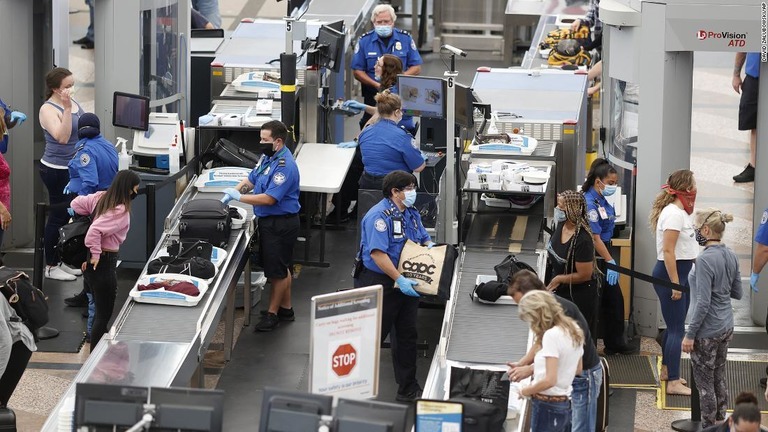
x: 748, y: 87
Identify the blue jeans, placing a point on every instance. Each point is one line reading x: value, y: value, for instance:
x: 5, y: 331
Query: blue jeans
x: 550, y: 416
x: 586, y: 389
x: 89, y: 33
x: 55, y: 180
x: 674, y: 312
x: 210, y: 10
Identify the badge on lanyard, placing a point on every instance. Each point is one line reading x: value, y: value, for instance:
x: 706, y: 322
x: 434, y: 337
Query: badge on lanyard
x: 397, y: 228
x: 603, y: 213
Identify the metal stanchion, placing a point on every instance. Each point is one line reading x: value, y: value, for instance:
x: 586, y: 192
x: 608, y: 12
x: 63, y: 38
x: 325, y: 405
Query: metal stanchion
x: 41, y: 209
x: 694, y: 423
x: 151, y: 215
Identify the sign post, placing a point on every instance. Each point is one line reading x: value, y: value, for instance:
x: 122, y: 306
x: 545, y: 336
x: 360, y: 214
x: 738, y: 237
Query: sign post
x: 345, y: 341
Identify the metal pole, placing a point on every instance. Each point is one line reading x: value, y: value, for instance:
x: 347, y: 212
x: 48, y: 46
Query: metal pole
x: 288, y: 83
x: 694, y: 423
x: 41, y: 209
x: 151, y: 215
x: 449, y: 215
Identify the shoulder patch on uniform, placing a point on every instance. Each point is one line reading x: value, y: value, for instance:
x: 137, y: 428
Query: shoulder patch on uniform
x: 279, y: 178
x: 592, y: 215
x: 764, y: 219
x: 84, y: 159
x: 357, y: 47
x: 380, y: 225
x: 281, y: 162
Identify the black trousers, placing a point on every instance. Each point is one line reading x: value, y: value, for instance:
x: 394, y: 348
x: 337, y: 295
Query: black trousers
x: 584, y: 296
x: 17, y: 363
x: 102, y: 283
x: 368, y: 181
x: 611, y: 319
x: 349, y: 188
x: 398, y: 320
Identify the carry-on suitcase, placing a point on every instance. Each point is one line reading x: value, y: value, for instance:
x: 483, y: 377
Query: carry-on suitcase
x: 206, y: 219
x: 7, y: 420
x: 602, y: 399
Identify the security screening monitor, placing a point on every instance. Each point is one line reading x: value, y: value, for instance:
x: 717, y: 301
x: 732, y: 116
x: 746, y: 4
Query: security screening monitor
x: 130, y: 111
x: 422, y: 96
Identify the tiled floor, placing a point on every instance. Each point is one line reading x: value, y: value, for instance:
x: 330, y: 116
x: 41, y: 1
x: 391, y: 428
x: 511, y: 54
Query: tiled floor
x: 719, y: 152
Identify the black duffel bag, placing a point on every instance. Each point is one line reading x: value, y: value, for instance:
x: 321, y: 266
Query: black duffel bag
x: 226, y: 153
x: 190, y: 248
x: 195, y: 266
x: 206, y: 219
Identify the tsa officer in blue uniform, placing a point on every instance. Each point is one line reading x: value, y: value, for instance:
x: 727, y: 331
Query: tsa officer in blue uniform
x: 274, y: 187
x: 384, y: 230
x: 601, y: 182
x: 760, y: 254
x: 384, y: 39
x: 95, y: 162
x: 385, y: 146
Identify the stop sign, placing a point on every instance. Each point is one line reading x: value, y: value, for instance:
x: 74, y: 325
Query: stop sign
x: 344, y: 360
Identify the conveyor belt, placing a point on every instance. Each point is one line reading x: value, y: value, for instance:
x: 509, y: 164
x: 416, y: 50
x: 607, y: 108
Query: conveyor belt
x: 506, y: 231
x: 475, y: 330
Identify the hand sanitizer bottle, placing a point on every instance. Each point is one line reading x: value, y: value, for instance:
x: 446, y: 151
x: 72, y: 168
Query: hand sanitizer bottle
x: 124, y: 160
x: 173, y: 156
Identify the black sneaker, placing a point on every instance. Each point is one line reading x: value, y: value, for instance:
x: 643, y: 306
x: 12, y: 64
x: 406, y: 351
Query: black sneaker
x: 83, y: 40
x: 282, y: 313
x: 408, y: 397
x: 88, y: 45
x: 746, y: 176
x: 267, y: 323
x: 79, y: 300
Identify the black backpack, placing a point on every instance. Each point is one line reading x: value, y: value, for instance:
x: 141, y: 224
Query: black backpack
x: 71, y: 246
x: 509, y: 266
x: 29, y: 302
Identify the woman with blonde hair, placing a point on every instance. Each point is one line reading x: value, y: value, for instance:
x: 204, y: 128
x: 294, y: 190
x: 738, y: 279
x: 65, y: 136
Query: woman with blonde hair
x: 676, y: 249
x: 555, y: 364
x: 714, y: 281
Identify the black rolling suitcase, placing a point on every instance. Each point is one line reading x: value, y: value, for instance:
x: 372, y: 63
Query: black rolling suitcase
x: 602, y: 399
x: 7, y: 420
x: 206, y: 219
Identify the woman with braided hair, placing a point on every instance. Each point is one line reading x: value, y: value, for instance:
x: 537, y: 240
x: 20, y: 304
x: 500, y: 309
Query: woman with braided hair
x: 676, y: 249
x: 571, y: 266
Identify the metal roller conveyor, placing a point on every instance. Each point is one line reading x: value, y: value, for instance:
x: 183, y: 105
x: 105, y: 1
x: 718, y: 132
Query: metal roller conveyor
x: 154, y: 345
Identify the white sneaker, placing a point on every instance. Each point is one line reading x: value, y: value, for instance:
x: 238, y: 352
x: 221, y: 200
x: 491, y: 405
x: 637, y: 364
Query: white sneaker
x: 71, y: 270
x: 57, y: 273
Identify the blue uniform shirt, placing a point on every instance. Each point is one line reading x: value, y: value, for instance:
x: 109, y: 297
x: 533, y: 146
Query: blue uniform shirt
x: 752, y: 65
x: 379, y: 232
x: 762, y: 231
x: 93, y: 167
x: 600, y: 225
x: 7, y: 119
x: 370, y: 47
x: 387, y: 147
x: 277, y: 177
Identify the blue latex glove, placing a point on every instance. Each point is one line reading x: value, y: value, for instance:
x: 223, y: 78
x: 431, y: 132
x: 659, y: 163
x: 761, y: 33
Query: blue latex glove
x: 71, y: 211
x: 430, y: 245
x: 753, y: 281
x: 612, y: 275
x: 347, y: 144
x: 18, y: 117
x: 354, y: 105
x: 406, y: 286
x: 230, y: 194
x: 67, y: 190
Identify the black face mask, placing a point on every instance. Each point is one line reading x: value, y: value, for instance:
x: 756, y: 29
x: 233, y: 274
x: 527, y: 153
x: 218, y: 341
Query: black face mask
x: 266, y: 148
x: 133, y: 195
x: 700, y: 239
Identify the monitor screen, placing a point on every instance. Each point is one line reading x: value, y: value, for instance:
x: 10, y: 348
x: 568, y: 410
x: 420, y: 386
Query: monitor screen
x: 102, y: 406
x: 464, y: 108
x: 130, y: 111
x: 422, y: 96
x: 330, y: 43
x: 187, y: 409
x: 355, y: 415
x: 292, y: 411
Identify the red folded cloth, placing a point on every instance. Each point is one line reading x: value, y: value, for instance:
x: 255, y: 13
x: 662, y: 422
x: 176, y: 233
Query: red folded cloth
x: 182, y: 287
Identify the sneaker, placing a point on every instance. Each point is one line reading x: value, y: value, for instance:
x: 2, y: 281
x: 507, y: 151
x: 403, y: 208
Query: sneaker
x: 55, y: 272
x: 79, y: 300
x: 282, y: 313
x: 267, y: 323
x: 71, y: 270
x: 746, y: 176
x: 408, y: 397
x: 88, y: 45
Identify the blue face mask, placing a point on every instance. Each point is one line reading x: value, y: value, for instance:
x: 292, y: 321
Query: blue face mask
x: 559, y: 215
x: 609, y: 190
x: 384, y: 31
x: 410, y: 198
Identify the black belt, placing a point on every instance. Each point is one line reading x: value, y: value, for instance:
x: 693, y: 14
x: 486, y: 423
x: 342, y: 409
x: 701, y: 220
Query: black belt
x: 283, y: 216
x: 373, y: 177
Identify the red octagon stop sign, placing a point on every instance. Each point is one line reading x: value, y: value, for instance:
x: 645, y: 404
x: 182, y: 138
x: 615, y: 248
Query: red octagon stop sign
x: 344, y: 360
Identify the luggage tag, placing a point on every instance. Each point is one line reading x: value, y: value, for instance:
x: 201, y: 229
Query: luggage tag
x: 397, y: 228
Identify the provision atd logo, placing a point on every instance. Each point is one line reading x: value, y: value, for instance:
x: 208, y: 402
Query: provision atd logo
x: 734, y: 39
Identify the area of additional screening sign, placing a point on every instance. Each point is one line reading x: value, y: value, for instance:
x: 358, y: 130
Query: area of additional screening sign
x: 344, y: 344
x: 438, y: 416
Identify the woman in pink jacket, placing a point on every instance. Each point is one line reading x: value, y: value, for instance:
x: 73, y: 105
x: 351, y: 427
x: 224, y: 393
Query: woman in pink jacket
x: 112, y: 219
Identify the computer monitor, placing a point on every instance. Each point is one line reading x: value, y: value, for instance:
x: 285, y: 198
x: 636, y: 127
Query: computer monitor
x: 130, y: 111
x: 187, y: 409
x: 369, y: 416
x: 102, y: 406
x: 422, y: 96
x: 465, y: 97
x: 292, y: 411
x: 330, y: 44
x: 337, y: 25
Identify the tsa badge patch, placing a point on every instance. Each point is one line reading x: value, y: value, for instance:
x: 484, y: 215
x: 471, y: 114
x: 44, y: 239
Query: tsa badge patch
x: 279, y: 178
x: 84, y: 159
x: 380, y: 225
x: 764, y: 219
x: 592, y: 215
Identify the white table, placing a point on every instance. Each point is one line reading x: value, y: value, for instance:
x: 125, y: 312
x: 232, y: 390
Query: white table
x: 322, y: 168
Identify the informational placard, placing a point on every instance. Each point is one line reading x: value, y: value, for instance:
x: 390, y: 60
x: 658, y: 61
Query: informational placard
x: 438, y: 416
x: 344, y: 343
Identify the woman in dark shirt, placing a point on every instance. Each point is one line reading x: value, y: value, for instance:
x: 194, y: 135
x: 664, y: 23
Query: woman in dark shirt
x: 571, y: 256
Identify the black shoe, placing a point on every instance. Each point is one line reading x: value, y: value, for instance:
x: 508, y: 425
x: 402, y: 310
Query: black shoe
x: 282, y: 313
x: 762, y: 382
x: 82, y: 41
x: 408, y: 397
x: 623, y: 349
x: 267, y: 323
x: 79, y: 300
x: 746, y: 176
x: 87, y: 45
